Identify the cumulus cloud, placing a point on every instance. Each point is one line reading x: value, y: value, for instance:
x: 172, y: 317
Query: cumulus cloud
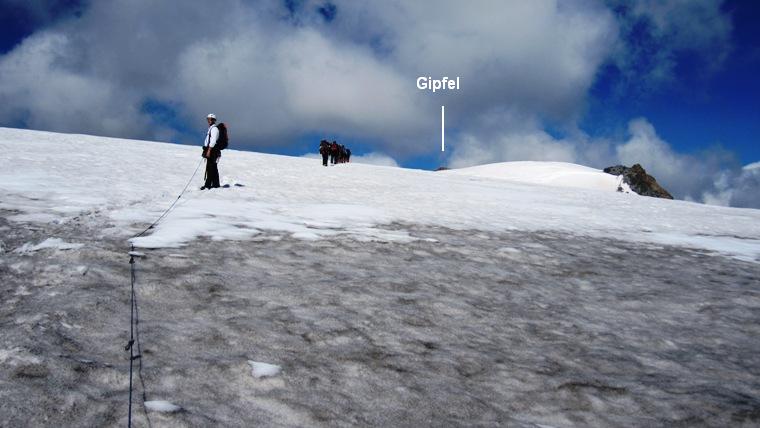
x: 39, y: 89
x: 509, y: 136
x: 738, y: 188
x: 644, y: 146
x: 746, y: 188
x: 538, y: 56
x: 277, y: 71
x: 690, y: 176
x: 341, y: 86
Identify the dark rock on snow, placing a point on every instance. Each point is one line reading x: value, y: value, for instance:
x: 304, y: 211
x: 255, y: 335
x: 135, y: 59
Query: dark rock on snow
x: 639, y: 181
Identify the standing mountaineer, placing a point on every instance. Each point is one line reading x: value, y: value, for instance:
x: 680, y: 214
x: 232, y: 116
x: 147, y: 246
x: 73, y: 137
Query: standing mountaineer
x: 334, y: 152
x: 216, y: 140
x: 324, y: 150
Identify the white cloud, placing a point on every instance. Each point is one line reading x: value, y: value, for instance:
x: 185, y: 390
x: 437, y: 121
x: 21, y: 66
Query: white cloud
x: 737, y: 188
x: 645, y: 147
x: 537, y: 146
x: 537, y: 56
x: 375, y: 158
x: 274, y: 76
x: 703, y: 177
x: 343, y: 86
x: 38, y: 88
x: 747, y: 189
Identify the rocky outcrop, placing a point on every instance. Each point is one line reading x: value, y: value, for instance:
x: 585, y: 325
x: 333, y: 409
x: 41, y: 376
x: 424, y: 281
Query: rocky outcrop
x: 442, y: 168
x: 639, y: 181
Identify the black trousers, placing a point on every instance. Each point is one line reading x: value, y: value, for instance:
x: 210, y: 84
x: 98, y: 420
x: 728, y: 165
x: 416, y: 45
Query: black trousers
x: 324, y: 159
x: 212, y: 171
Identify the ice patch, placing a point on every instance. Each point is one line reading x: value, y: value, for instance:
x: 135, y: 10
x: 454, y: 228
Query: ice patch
x: 307, y: 236
x: 22, y: 291
x: 17, y: 356
x: 509, y: 250
x: 53, y: 243
x: 259, y: 370
x: 7, y: 354
x: 31, y: 319
x: 739, y: 248
x: 162, y: 406
x: 36, y: 218
x: 239, y: 219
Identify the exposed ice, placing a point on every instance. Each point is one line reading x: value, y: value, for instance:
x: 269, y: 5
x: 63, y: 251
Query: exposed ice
x: 259, y: 370
x: 36, y: 218
x: 162, y: 406
x: 15, y: 356
x: 564, y: 331
x: 54, y: 243
x: 6, y: 354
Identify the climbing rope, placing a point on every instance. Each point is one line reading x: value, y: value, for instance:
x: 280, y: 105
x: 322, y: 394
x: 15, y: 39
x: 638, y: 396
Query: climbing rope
x: 134, y: 313
x: 170, y: 206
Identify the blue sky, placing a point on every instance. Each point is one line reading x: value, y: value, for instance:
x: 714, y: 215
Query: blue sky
x: 695, y: 111
x: 669, y: 84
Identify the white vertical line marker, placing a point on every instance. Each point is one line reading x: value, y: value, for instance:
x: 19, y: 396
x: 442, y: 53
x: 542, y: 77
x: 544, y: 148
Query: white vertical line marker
x: 443, y: 147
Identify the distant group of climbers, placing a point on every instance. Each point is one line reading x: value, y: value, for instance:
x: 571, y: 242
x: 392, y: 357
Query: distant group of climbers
x: 337, y: 153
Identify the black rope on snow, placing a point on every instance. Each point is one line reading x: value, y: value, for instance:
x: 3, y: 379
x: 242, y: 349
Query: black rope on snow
x: 130, y: 344
x: 134, y: 313
x: 135, y: 340
x: 173, y: 203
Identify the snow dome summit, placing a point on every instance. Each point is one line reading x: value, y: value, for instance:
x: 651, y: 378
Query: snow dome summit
x: 428, y: 83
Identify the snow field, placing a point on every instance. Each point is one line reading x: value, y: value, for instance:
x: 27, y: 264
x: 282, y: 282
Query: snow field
x: 132, y: 182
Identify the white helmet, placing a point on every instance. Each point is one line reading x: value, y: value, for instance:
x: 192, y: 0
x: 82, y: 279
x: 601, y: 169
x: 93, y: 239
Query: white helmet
x: 211, y: 116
